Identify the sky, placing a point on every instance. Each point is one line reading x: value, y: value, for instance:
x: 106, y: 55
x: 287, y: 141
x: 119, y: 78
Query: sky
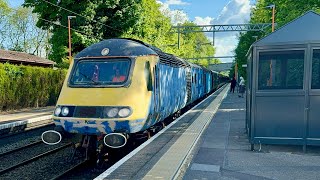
x: 210, y: 12
x: 205, y: 12
x: 15, y: 3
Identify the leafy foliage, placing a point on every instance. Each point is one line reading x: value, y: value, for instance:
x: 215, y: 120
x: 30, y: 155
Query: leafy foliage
x: 154, y: 28
x: 286, y: 11
x: 102, y: 19
x: 95, y: 20
x: 18, y: 31
x: 24, y: 86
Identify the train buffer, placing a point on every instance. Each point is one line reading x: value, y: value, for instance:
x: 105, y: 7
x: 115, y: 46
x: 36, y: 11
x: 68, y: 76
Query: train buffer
x: 210, y: 142
x: 24, y: 119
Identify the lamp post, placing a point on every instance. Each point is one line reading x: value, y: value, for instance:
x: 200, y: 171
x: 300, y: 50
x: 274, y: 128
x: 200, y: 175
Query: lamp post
x: 69, y: 31
x: 273, y: 6
x: 236, y: 71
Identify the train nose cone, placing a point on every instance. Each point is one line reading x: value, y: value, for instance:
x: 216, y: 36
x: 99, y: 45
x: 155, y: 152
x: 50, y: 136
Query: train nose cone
x: 51, y: 137
x: 115, y: 140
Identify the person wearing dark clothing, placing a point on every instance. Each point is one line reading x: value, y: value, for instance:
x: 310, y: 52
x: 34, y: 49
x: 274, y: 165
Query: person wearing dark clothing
x: 233, y: 84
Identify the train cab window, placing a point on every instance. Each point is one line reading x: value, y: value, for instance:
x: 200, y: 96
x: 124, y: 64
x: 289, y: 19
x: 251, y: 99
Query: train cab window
x: 100, y: 72
x: 315, y: 82
x: 281, y: 69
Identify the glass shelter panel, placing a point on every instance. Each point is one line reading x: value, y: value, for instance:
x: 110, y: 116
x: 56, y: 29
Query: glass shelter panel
x: 281, y: 69
x: 315, y: 82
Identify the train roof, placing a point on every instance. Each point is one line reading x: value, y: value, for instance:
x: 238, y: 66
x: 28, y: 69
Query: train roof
x: 132, y: 47
x: 116, y: 47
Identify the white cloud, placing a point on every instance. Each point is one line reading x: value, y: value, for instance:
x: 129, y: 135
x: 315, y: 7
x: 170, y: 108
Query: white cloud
x: 225, y: 46
x: 176, y: 16
x: 203, y: 21
x: 176, y: 2
x: 159, y: 2
x: 235, y: 12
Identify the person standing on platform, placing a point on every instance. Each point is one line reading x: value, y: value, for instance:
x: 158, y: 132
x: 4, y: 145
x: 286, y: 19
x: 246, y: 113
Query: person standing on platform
x: 233, y: 84
x: 241, y: 87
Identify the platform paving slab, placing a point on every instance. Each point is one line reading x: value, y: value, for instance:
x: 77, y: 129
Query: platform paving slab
x: 225, y: 145
x: 166, y: 153
x: 20, y: 120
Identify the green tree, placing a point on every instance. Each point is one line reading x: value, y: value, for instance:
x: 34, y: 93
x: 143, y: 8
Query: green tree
x: 22, y: 33
x: 102, y: 19
x: 196, y: 45
x: 18, y: 31
x: 152, y: 26
x: 95, y: 20
x: 4, y: 12
x: 286, y: 11
x: 118, y: 16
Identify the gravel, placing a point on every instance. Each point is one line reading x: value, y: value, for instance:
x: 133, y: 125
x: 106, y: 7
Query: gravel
x: 18, y: 140
x: 44, y: 168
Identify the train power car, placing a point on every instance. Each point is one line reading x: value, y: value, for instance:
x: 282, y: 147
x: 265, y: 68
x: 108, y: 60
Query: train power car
x: 119, y: 87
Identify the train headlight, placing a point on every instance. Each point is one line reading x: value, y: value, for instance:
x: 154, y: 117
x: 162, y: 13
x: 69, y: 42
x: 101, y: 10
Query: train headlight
x: 113, y: 112
x: 57, y: 111
x: 65, y: 111
x: 124, y: 112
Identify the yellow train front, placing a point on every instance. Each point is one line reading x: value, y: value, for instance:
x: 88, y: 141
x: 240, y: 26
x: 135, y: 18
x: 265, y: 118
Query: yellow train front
x: 118, y: 87
x: 108, y: 90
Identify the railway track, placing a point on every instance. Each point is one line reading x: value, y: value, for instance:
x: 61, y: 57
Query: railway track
x: 29, y: 129
x: 72, y: 169
x: 32, y: 159
x: 54, y: 163
x: 20, y: 148
x: 13, y: 142
x: 24, y: 155
x: 91, y: 171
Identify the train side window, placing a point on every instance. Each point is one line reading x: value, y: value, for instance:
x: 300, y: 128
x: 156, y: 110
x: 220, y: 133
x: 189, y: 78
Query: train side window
x: 315, y: 82
x: 155, y: 76
x: 195, y: 77
x: 203, y: 78
x: 281, y: 69
x: 148, y: 76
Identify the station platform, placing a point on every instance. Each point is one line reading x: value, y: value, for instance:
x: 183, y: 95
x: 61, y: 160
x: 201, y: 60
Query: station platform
x: 209, y: 142
x: 22, y: 119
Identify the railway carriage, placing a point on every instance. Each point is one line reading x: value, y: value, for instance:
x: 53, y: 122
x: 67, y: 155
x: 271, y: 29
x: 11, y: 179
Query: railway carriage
x: 118, y: 87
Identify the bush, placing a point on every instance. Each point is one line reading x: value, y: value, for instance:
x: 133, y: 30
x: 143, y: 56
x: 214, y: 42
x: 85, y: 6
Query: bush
x: 26, y: 86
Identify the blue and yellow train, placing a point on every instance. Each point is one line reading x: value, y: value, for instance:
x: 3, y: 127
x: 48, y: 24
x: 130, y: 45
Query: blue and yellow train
x: 118, y: 87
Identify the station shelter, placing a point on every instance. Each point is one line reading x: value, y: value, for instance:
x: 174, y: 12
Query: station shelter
x: 283, y: 85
